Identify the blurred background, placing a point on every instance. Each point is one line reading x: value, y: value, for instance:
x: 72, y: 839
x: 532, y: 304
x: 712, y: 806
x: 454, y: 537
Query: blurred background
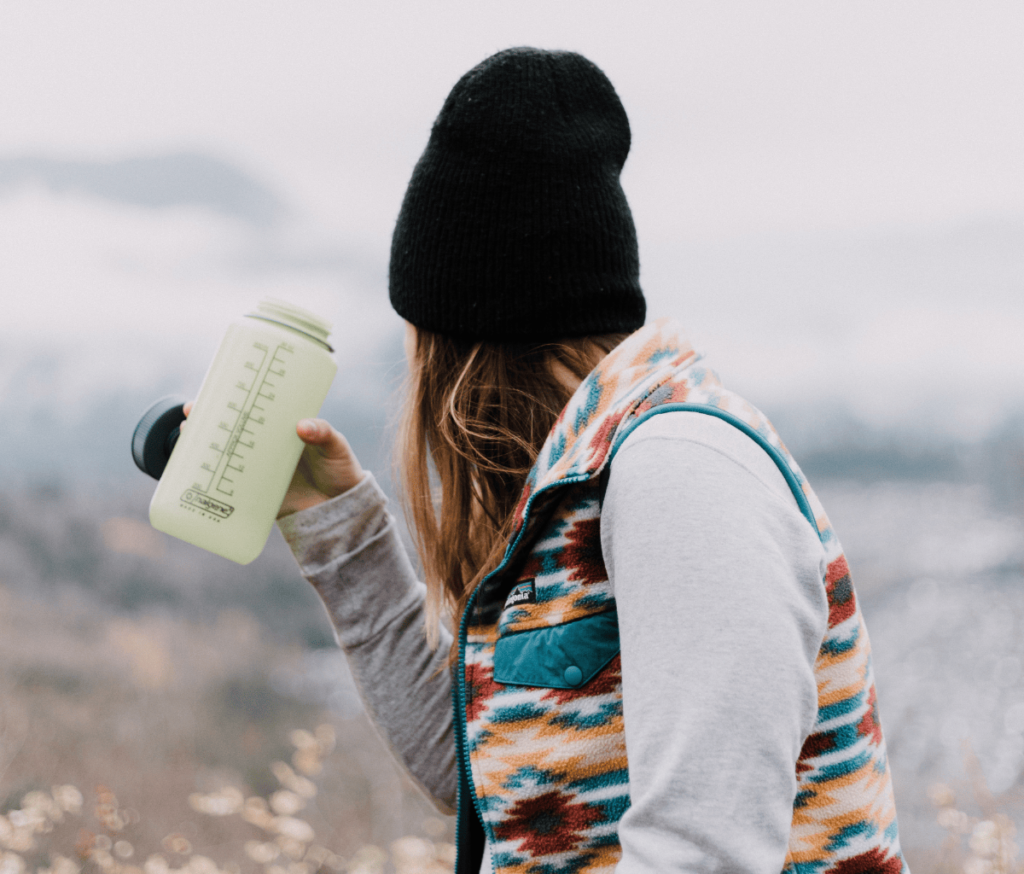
x: 830, y: 198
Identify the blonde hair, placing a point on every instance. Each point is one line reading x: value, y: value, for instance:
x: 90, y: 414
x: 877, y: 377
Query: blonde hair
x: 474, y: 419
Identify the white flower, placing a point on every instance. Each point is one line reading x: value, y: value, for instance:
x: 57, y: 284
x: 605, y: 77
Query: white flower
x: 201, y: 865
x: 263, y: 819
x: 336, y: 863
x: 286, y: 803
x: 21, y: 840
x: 43, y: 805
x: 283, y: 772
x: 446, y: 854
x: 229, y: 800
x: 953, y: 820
x: 12, y: 863
x: 369, y: 859
x: 307, y: 761
x: 941, y: 795
x: 409, y: 850
x: 291, y: 827
x: 103, y: 859
x: 326, y: 738
x: 985, y: 838
x: 31, y: 818
x: 156, y: 864
x: 262, y: 853
x: 177, y: 843
x: 317, y: 856
x: 291, y: 847
x: 302, y: 739
x: 69, y: 798
x: 290, y: 780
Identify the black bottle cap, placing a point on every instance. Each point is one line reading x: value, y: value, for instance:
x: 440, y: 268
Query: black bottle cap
x: 156, y: 434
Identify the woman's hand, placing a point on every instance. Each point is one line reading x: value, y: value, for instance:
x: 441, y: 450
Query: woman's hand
x: 326, y: 468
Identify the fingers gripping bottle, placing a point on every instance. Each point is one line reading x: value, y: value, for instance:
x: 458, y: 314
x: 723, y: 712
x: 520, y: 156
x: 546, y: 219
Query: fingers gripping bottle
x: 230, y: 468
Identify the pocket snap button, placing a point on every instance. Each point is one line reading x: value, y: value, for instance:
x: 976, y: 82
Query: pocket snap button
x: 573, y: 675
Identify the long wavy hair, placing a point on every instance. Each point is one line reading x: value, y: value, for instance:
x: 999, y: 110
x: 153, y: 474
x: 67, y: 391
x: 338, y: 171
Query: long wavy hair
x: 474, y: 419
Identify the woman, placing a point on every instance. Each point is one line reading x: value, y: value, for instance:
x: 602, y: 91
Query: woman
x: 660, y: 664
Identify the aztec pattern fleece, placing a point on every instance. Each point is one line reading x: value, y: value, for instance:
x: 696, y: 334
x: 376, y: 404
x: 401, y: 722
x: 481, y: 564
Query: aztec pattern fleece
x: 538, y: 694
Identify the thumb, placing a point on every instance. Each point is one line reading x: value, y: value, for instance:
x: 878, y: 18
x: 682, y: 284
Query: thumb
x: 313, y: 431
x: 317, y: 432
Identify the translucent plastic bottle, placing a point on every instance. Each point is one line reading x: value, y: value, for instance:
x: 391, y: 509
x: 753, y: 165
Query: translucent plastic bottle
x: 228, y: 472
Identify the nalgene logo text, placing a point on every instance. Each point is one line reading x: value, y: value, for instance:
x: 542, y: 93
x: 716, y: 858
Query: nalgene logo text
x: 210, y: 505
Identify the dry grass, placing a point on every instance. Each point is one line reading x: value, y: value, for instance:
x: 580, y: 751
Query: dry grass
x: 52, y: 832
x: 982, y: 841
x: 194, y: 753
x: 191, y: 762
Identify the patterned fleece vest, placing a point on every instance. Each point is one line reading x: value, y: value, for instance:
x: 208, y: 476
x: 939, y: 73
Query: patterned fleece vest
x: 538, y: 691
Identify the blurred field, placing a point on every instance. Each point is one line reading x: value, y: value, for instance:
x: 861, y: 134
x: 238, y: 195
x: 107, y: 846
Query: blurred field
x: 135, y: 663
x: 150, y: 674
x: 939, y: 568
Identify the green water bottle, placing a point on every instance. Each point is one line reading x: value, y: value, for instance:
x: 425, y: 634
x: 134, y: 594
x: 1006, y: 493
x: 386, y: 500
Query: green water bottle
x: 229, y: 468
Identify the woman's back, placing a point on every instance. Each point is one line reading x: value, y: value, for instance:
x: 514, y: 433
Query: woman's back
x: 660, y: 663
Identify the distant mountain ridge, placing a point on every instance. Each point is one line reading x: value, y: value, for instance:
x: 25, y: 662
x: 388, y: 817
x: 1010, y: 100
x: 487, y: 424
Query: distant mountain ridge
x: 155, y: 182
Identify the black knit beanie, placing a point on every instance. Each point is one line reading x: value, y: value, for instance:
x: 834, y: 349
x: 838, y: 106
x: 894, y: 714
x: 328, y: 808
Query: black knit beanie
x: 514, y: 227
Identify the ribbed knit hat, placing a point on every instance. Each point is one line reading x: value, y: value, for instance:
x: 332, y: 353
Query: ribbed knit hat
x: 514, y: 227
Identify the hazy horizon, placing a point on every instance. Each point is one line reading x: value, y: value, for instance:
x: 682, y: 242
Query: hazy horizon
x: 830, y: 200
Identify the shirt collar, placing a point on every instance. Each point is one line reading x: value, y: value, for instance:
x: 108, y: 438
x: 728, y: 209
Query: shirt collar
x: 579, y: 442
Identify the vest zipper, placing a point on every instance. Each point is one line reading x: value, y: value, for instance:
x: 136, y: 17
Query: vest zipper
x: 461, y: 742
x: 459, y: 689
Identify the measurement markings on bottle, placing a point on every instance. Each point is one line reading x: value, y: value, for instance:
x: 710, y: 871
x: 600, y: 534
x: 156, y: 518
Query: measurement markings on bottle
x: 247, y: 413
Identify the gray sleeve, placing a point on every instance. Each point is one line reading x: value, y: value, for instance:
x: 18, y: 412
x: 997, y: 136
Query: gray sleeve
x: 349, y: 549
x: 717, y: 577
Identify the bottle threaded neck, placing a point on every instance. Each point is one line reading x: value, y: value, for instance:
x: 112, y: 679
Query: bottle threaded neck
x: 274, y: 310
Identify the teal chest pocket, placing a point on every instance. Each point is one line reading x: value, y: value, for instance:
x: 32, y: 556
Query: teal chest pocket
x: 559, y: 656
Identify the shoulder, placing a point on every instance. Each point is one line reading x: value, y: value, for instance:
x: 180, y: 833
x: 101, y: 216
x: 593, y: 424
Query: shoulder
x: 696, y: 511
x: 700, y: 449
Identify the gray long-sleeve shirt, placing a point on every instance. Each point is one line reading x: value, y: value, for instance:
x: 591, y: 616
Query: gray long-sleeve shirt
x: 718, y: 582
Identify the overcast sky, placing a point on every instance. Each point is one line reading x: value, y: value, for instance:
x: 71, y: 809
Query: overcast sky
x: 768, y: 138
x: 745, y: 115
